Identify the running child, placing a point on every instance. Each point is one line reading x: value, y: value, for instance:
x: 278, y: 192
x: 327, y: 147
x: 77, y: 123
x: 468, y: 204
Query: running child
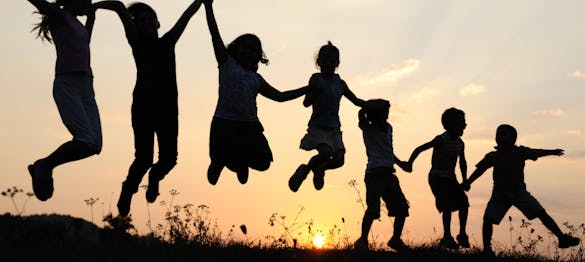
x: 508, y: 161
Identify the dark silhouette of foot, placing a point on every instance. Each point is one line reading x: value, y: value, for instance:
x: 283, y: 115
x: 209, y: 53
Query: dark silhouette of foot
x: 124, y: 202
x: 152, y: 190
x: 463, y: 241
x: 298, y: 177
x: 449, y: 242
x: 213, y: 172
x: 567, y: 241
x: 42, y: 180
x: 361, y: 244
x: 318, y: 179
x: 397, y: 244
x: 243, y: 175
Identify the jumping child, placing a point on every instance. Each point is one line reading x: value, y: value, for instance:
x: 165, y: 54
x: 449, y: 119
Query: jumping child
x: 72, y: 88
x: 236, y: 138
x: 324, y: 132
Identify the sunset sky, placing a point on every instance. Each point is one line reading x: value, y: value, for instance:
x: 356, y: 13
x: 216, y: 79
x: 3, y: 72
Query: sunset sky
x: 517, y: 62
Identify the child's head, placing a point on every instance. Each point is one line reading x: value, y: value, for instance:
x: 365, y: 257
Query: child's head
x: 328, y: 58
x: 75, y: 7
x: 247, y: 50
x: 453, y: 121
x: 145, y: 19
x: 377, y: 110
x: 506, y: 136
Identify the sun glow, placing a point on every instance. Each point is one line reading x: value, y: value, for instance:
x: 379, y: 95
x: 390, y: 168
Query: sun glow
x: 318, y: 241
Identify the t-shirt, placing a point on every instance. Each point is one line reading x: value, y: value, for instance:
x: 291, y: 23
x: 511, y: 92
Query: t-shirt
x: 71, y: 40
x: 508, y: 166
x: 326, y: 101
x: 156, y: 80
x: 238, y: 89
x: 378, y: 146
x: 446, y: 151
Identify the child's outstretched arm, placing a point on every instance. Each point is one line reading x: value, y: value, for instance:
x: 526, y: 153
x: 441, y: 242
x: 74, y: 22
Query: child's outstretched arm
x: 125, y: 17
x: 272, y: 93
x: 474, y: 176
x: 221, y: 54
x: 403, y: 165
x: 419, y: 150
x: 352, y: 97
x: 47, y: 8
x: 177, y: 30
x: 538, y: 153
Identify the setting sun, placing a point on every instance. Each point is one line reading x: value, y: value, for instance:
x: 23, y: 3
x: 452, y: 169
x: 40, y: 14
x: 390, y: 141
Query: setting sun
x: 318, y: 241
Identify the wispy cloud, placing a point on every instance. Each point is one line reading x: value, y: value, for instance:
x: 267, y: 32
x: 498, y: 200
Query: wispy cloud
x: 557, y: 112
x: 578, y: 74
x: 472, y: 89
x: 575, y: 132
x: 390, y: 74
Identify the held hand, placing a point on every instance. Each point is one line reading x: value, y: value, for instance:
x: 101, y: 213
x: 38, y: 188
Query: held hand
x: 465, y: 185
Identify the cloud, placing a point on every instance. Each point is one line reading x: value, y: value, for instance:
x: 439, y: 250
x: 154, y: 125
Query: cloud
x: 392, y: 73
x: 471, y: 89
x: 575, y: 132
x: 557, y: 112
x: 578, y: 74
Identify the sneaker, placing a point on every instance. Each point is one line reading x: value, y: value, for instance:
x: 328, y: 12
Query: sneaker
x: 463, y: 241
x: 124, y: 202
x: 449, y: 242
x: 318, y: 179
x: 361, y: 244
x: 567, y: 241
x: 152, y: 190
x: 396, y: 244
x: 243, y: 175
x: 42, y: 180
x: 488, y: 252
x: 298, y: 177
x: 213, y: 172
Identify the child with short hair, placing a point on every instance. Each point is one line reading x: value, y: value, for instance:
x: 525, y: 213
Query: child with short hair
x: 324, y: 132
x: 236, y: 138
x: 508, y: 161
x: 448, y: 147
x: 155, y: 96
x: 380, y: 178
x: 72, y: 87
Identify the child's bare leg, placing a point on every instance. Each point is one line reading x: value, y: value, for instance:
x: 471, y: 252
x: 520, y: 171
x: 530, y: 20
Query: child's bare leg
x: 463, y: 212
x: 487, y: 232
x: 446, y: 224
x: 550, y: 224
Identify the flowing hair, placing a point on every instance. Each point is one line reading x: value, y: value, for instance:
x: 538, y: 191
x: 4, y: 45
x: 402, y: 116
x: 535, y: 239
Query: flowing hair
x: 231, y: 48
x: 42, y: 28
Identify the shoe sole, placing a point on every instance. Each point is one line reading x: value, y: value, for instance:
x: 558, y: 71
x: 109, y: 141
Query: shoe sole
x: 42, y: 194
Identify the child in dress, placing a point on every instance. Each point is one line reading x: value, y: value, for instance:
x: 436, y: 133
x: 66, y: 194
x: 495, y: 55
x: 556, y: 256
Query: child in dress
x: 324, y: 133
x: 236, y: 138
x: 154, y: 105
x: 72, y: 88
x: 509, y: 189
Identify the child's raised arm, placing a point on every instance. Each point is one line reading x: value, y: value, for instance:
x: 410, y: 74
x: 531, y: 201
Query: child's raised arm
x: 90, y: 21
x: 221, y: 54
x: 272, y: 93
x: 120, y: 9
x: 352, y: 97
x: 47, y: 8
x: 177, y: 30
x: 419, y: 150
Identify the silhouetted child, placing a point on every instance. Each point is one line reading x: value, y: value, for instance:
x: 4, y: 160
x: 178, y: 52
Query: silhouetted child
x: 154, y: 105
x: 236, y: 138
x: 324, y: 133
x: 72, y: 88
x: 509, y: 189
x: 381, y: 182
x: 449, y: 196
